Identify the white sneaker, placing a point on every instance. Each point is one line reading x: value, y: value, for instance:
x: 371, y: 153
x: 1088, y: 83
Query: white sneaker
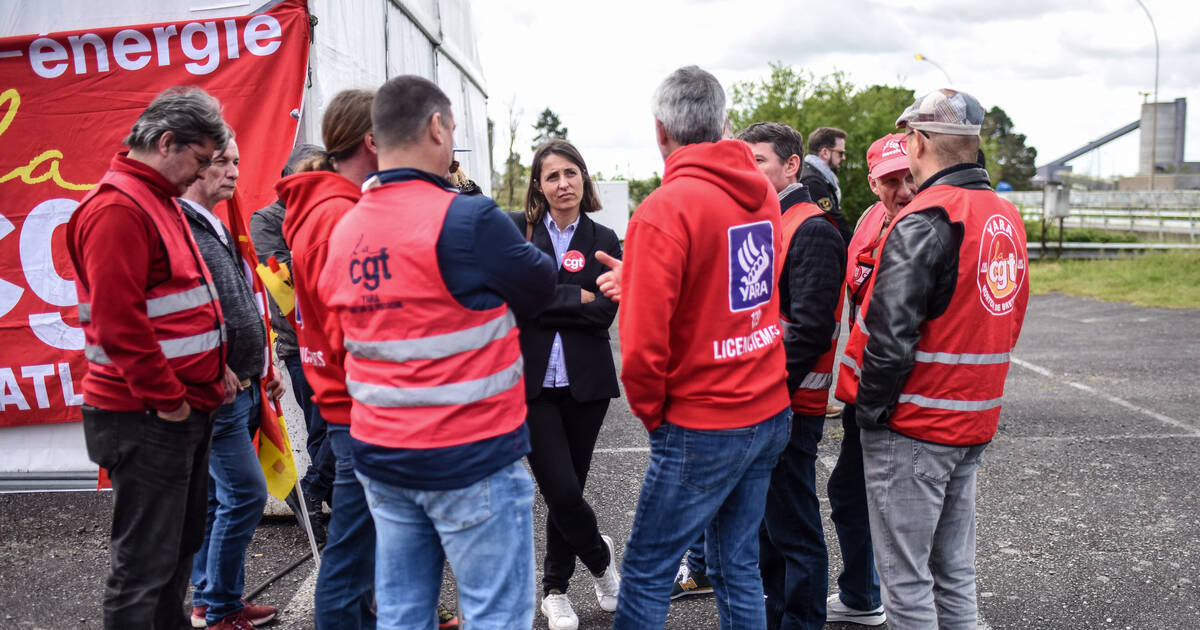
x: 558, y: 611
x: 608, y: 584
x: 835, y: 610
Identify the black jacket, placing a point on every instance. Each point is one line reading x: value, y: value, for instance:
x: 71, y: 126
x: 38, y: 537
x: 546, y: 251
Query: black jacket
x: 266, y: 232
x: 825, y: 196
x: 583, y: 327
x: 914, y: 281
x: 813, y: 270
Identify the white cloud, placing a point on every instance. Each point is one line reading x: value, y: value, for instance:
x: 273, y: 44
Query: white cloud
x: 1066, y: 71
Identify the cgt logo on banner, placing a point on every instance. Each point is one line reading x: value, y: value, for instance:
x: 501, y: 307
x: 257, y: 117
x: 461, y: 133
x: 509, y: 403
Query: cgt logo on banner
x: 66, y: 102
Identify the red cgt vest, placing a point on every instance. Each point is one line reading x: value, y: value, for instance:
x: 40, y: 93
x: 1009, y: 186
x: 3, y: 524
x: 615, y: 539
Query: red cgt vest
x: 860, y: 265
x: 423, y: 371
x: 811, y: 397
x: 183, y: 310
x: 953, y: 394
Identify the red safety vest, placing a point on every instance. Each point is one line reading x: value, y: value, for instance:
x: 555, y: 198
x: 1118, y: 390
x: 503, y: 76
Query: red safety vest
x: 860, y: 265
x: 812, y: 396
x: 953, y: 394
x: 423, y: 371
x: 184, y: 310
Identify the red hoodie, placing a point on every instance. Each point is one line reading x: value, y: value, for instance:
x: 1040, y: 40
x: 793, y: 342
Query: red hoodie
x: 315, y: 201
x: 701, y: 345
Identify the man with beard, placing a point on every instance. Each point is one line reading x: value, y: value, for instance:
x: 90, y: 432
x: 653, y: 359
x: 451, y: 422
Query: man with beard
x: 826, y: 151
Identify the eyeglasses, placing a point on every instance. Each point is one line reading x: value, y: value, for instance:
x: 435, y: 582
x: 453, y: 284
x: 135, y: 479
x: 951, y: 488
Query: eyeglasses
x: 840, y: 152
x: 910, y: 131
x: 201, y: 160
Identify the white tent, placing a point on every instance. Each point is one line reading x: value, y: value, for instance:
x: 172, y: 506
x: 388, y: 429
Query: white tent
x: 355, y: 44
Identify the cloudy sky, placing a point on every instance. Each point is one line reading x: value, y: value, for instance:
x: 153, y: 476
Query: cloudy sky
x: 1066, y: 71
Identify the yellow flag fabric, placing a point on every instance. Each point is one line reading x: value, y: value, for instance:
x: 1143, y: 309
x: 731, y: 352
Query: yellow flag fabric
x: 279, y: 283
x: 275, y: 453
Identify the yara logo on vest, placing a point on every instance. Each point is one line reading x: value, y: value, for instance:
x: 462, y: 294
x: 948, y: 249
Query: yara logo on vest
x: 1002, y: 265
x: 370, y: 268
x: 752, y: 280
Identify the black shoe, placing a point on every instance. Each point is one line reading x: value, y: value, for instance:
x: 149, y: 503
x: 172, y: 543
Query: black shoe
x: 316, y: 517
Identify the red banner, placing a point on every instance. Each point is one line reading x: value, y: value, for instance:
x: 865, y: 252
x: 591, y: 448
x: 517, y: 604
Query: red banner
x: 66, y: 102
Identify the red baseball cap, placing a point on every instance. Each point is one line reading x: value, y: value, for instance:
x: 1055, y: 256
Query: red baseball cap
x: 887, y: 155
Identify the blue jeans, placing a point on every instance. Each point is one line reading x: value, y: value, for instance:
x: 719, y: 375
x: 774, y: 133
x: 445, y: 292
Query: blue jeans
x: 237, y: 493
x: 484, y: 529
x: 318, y: 480
x: 792, y: 555
x: 713, y: 482
x: 695, y: 556
x: 346, y: 580
x: 922, y: 501
x: 858, y: 583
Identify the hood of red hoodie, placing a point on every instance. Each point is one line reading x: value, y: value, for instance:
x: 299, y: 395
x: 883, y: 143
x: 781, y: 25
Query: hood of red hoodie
x: 304, y: 192
x: 728, y: 165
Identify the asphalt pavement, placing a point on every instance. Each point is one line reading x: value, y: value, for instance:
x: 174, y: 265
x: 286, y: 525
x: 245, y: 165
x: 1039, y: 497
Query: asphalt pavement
x: 1088, y: 506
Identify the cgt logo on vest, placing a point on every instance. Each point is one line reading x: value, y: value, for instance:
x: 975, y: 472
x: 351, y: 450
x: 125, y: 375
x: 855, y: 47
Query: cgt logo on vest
x: 370, y: 269
x: 1002, y: 265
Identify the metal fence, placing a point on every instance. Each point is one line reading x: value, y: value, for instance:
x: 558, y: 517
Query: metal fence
x: 1159, y: 212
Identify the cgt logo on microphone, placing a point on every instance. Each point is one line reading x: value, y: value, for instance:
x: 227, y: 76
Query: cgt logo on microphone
x: 751, y: 265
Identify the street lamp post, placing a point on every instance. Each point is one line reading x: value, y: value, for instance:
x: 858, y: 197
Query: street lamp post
x: 920, y: 57
x: 1154, y: 106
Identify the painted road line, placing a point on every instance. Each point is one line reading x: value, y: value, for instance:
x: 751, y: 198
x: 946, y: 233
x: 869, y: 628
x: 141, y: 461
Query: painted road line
x: 300, y: 608
x: 1179, y: 424
x: 1098, y: 438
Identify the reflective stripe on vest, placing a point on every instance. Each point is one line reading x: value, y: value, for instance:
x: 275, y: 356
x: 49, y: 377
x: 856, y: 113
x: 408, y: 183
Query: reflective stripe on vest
x: 433, y: 347
x: 167, y: 304
x: 817, y: 380
x: 949, y: 405
x: 461, y: 393
x: 849, y: 362
x: 171, y: 348
x: 966, y: 358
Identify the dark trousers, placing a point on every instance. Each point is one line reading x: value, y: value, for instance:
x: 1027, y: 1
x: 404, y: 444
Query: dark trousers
x: 159, y: 473
x: 317, y: 482
x: 792, y: 555
x: 562, y: 434
x: 858, y: 583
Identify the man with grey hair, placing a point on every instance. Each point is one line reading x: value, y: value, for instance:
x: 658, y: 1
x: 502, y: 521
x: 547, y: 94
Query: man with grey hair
x: 155, y: 344
x: 940, y: 315
x: 703, y: 358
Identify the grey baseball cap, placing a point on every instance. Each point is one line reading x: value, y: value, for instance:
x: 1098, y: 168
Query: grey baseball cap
x: 944, y: 111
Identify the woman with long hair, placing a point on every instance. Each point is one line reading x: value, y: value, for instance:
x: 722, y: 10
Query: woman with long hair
x: 569, y: 374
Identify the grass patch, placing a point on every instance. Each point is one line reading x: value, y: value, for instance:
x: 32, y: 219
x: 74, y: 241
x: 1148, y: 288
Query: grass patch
x: 1169, y: 279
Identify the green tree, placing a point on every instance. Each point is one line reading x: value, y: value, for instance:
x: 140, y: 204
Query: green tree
x: 639, y: 189
x: 1008, y: 159
x: 548, y: 127
x: 805, y: 102
x: 515, y: 178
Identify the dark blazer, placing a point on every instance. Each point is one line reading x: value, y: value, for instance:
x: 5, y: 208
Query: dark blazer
x: 584, y: 327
